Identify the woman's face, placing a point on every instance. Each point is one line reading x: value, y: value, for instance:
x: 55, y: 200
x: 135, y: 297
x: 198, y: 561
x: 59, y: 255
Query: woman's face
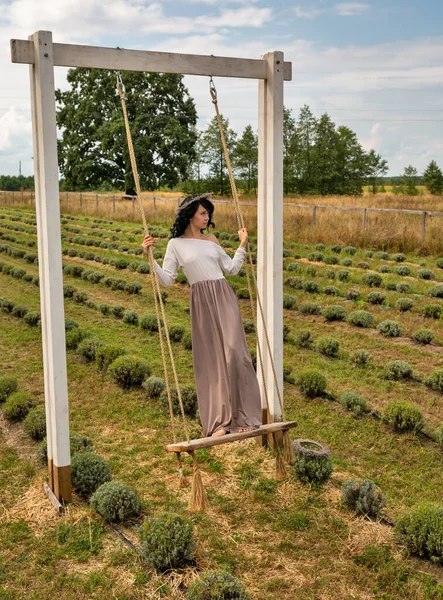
x: 200, y: 219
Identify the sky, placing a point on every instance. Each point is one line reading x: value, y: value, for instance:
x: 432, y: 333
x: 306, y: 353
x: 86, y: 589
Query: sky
x: 375, y: 66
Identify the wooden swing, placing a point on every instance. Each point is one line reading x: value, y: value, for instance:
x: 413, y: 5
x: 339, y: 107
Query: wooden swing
x: 274, y: 430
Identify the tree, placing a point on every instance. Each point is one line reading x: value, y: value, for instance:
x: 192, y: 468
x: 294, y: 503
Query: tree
x: 351, y: 163
x: 306, y: 131
x: 93, y: 148
x: 324, y: 156
x: 292, y: 152
x: 213, y: 155
x: 246, y: 158
x: 377, y: 167
x: 433, y: 178
x: 15, y: 183
x: 409, y: 178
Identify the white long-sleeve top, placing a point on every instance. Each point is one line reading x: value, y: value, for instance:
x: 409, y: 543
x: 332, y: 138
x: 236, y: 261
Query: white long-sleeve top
x: 201, y: 260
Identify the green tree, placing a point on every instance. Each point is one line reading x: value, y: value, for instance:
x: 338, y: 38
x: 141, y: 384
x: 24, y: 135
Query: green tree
x: 377, y: 167
x: 324, y: 156
x: 433, y: 178
x: 292, y: 153
x: 93, y: 149
x: 246, y: 158
x: 213, y: 155
x: 409, y: 180
x: 351, y: 163
x: 306, y: 125
x: 15, y: 183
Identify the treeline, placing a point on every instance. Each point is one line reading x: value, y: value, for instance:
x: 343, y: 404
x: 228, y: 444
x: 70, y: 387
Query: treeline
x: 16, y: 183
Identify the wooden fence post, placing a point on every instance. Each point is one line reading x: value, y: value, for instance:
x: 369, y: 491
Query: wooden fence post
x: 96, y: 202
x: 155, y: 207
x: 22, y: 198
x: 81, y: 200
x: 364, y: 219
x: 4, y: 197
x: 12, y: 196
x: 113, y: 204
x: 67, y: 201
x: 133, y: 206
x: 423, y: 227
x: 314, y: 216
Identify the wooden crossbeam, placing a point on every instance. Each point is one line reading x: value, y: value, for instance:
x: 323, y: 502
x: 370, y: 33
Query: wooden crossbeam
x: 207, y: 442
x: 95, y: 57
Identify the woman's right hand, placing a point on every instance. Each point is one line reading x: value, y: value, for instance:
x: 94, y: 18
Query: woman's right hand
x: 147, y: 242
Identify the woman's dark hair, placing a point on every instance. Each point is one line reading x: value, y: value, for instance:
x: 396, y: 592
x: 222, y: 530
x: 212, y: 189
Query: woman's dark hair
x: 187, y: 210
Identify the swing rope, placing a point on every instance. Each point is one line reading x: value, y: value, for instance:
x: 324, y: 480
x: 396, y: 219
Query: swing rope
x: 288, y: 450
x: 197, y: 500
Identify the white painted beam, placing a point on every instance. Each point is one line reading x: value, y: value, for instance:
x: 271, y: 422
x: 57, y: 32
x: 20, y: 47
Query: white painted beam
x: 270, y: 227
x: 94, y: 57
x: 50, y: 264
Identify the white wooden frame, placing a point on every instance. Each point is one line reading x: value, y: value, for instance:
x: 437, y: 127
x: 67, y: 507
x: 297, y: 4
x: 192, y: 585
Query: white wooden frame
x: 42, y: 56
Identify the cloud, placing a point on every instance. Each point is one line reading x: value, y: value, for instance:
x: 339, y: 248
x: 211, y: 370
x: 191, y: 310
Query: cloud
x: 307, y: 13
x: 350, y: 9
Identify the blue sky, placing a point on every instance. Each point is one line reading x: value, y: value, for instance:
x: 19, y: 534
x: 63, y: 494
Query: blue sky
x: 375, y: 66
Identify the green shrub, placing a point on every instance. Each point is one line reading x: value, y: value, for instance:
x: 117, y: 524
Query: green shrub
x: 328, y: 346
x: 389, y: 328
x: 248, y: 326
x: 35, y: 423
x: 346, y: 262
x: 343, y: 275
x: 32, y: 319
x: 129, y: 371
x: 423, y: 336
x: 363, y: 265
x: 313, y: 469
x: 311, y: 382
x: 435, y: 380
x: 189, y: 400
x: 149, y: 322
x: 78, y: 443
x: 361, y: 358
x: 105, y: 355
x: 303, y: 339
x: 363, y: 497
x: 176, y: 333
x: 331, y: 290
x: 353, y: 294
x: 133, y: 287
x: 384, y: 269
x: 243, y: 293
x: 216, y: 585
x: 381, y: 255
x: 399, y: 257
x: 8, y: 306
x: 425, y: 274
x: 372, y: 279
x: 311, y: 287
x: 353, y: 402
x: 143, y: 267
x: 329, y: 274
x: 88, y: 472
x: 330, y: 260
x: 376, y: 298
x: 74, y: 337
x: 311, y: 271
x: 289, y: 301
x: 17, y: 406
x: 397, y: 370
x: 403, y: 416
x: 167, y: 541
x: 118, y: 311
x: 88, y: 349
x: 8, y: 385
x: 294, y: 282
x: 19, y: 311
x: 115, y: 501
x: 336, y: 248
x: 320, y: 247
x: 402, y: 288
x: 403, y: 271
x: 70, y: 324
x: 293, y: 267
x: 432, y: 311
x: 315, y: 256
x: 421, y: 531
x: 369, y: 254
x: 436, y: 291
x: 335, y: 312
x: 404, y: 304
x: 439, y: 263
x: 80, y: 297
x: 130, y: 317
x: 310, y: 308
x: 350, y: 250
x: 154, y: 386
x: 120, y: 263
x: 438, y: 435
x: 187, y: 341
x: 360, y: 318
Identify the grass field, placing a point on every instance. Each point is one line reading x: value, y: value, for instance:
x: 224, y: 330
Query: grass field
x: 282, y: 539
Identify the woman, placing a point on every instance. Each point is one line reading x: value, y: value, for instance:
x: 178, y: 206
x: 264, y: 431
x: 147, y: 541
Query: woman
x: 227, y: 387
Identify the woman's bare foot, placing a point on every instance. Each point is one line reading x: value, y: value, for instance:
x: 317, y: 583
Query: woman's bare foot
x: 219, y: 433
x: 245, y: 429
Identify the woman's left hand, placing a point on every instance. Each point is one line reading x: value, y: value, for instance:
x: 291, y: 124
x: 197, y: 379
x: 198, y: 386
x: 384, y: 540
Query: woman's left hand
x: 243, y: 235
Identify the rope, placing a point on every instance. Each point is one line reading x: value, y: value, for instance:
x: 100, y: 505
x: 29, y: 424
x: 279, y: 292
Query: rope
x: 241, y: 223
x: 155, y: 281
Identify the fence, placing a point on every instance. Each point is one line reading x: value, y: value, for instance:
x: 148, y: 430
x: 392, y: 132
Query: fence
x: 162, y: 207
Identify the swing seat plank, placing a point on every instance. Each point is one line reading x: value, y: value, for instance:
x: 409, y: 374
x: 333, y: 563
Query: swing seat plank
x: 207, y: 442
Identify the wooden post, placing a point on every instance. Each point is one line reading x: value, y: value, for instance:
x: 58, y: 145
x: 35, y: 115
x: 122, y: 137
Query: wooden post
x: 314, y: 216
x: 423, y: 227
x: 155, y: 208
x: 364, y: 219
x: 113, y: 204
x: 270, y: 229
x: 12, y: 196
x: 4, y: 196
x: 67, y: 201
x: 96, y: 202
x: 22, y: 198
x: 81, y: 200
x: 133, y: 206
x: 50, y: 264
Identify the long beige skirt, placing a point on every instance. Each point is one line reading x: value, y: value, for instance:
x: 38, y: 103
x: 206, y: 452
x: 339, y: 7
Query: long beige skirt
x: 227, y: 387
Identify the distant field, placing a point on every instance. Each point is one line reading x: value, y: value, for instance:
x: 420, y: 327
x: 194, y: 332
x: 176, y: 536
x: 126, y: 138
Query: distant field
x: 283, y: 539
